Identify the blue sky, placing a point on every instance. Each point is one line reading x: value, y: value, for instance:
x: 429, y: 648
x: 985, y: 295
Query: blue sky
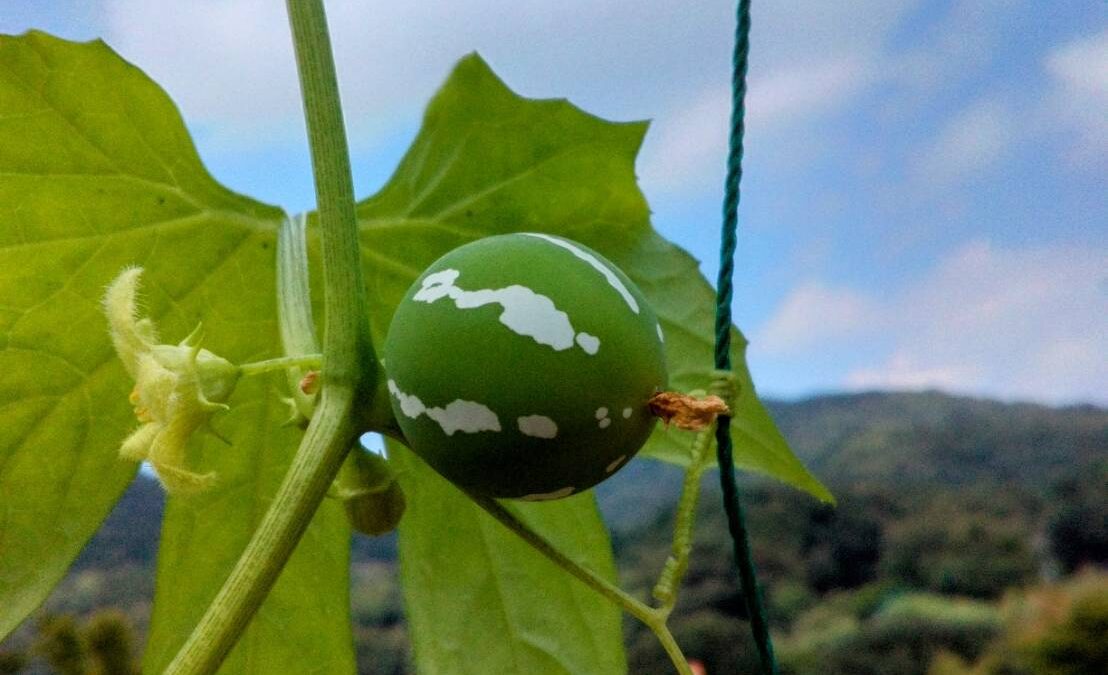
x: 925, y: 193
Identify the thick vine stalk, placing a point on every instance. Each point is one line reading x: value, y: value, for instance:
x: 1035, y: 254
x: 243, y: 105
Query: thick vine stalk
x: 348, y: 361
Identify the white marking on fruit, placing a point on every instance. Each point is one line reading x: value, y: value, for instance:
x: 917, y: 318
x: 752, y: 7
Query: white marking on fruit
x: 525, y: 312
x: 601, y: 413
x: 468, y: 417
x: 661, y: 337
x: 538, y: 426
x: 609, y: 275
x: 544, y: 496
x: 590, y: 343
x: 626, y: 413
x: 409, y: 405
x: 437, y: 285
x: 605, y: 423
x: 616, y: 464
x: 465, y: 416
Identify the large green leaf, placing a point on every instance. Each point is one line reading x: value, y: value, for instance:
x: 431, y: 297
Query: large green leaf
x: 488, y: 161
x: 480, y: 600
x: 97, y: 172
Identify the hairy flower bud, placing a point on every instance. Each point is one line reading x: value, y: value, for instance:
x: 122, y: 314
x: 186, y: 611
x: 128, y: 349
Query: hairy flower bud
x: 177, y: 387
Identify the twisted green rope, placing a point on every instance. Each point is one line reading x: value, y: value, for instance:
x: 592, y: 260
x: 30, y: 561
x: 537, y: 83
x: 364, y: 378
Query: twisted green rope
x: 736, y: 521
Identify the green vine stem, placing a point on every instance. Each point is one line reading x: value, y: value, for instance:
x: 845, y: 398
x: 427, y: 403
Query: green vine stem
x: 654, y: 619
x: 349, y: 366
x: 309, y: 361
x: 665, y: 591
x: 723, y: 385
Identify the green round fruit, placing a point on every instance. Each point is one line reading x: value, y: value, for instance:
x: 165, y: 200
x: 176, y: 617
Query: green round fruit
x: 520, y: 366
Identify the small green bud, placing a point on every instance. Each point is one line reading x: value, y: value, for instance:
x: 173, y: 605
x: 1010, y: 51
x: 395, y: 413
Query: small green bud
x: 370, y: 493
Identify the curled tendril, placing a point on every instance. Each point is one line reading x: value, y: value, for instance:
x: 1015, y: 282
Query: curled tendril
x: 177, y: 388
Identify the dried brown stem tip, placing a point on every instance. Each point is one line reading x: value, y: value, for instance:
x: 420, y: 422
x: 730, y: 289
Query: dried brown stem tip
x: 309, y: 384
x: 687, y: 412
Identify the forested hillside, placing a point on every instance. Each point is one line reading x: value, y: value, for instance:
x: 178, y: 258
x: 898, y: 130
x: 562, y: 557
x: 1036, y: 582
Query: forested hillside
x: 955, y: 547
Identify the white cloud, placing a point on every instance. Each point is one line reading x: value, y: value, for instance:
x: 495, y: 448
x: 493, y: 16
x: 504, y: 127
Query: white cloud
x: 1079, y: 70
x: 229, y: 63
x: 689, y: 146
x: 900, y: 372
x: 815, y: 314
x: 1018, y: 323
x: 808, y: 60
x: 962, y: 39
x: 790, y: 33
x: 1082, y: 65
x: 973, y: 141
x: 806, y: 90
x: 690, y: 143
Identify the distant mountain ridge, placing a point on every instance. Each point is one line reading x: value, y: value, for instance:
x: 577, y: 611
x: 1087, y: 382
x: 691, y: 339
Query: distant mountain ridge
x: 897, y: 439
x: 931, y: 437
